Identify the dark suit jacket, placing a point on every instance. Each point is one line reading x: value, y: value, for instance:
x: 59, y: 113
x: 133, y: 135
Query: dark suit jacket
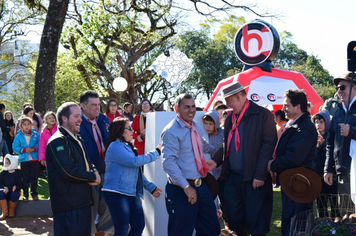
x: 259, y: 140
x: 296, y: 146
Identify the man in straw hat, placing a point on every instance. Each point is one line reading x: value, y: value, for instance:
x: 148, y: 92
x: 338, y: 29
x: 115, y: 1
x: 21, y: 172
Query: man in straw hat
x: 341, y: 144
x: 250, y: 138
x: 295, y: 148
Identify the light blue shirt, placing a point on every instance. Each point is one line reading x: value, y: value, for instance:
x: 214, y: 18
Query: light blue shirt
x: 178, y: 159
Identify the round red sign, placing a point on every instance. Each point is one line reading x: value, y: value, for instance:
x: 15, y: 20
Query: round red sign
x: 256, y: 42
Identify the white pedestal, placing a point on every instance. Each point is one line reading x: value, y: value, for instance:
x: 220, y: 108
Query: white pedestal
x: 156, y: 216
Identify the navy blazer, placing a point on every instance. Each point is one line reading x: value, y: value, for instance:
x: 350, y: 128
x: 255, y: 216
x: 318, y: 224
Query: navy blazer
x: 86, y: 132
x: 296, y: 146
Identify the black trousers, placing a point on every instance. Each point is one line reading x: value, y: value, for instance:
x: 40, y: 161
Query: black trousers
x: 30, y: 177
x: 248, y: 210
x: 72, y: 223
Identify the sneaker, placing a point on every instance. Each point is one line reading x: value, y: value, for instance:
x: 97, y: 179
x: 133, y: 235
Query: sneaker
x: 25, y: 199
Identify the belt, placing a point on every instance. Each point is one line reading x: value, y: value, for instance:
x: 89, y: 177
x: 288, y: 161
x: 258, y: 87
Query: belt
x: 195, y: 182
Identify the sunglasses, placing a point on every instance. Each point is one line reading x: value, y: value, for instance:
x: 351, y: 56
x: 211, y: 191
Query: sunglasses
x: 129, y: 128
x: 341, y: 87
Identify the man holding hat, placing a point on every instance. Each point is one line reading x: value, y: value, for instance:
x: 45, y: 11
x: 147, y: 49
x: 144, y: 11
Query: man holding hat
x: 341, y: 144
x: 296, y: 148
x: 250, y: 137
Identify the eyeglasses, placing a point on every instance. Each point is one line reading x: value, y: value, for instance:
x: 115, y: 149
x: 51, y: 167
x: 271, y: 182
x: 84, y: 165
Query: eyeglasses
x: 341, y: 87
x: 129, y: 128
x: 145, y: 104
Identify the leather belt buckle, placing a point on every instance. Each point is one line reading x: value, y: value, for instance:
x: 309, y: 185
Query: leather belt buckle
x: 197, y: 182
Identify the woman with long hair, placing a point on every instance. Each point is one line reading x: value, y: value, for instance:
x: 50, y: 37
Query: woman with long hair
x: 139, y: 126
x: 124, y: 180
x: 30, y: 112
x: 112, y: 110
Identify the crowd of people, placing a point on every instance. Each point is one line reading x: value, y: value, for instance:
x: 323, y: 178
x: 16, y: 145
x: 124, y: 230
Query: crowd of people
x: 94, y: 163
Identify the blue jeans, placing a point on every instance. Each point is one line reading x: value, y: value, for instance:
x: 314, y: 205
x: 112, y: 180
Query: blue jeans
x: 125, y: 211
x: 12, y: 196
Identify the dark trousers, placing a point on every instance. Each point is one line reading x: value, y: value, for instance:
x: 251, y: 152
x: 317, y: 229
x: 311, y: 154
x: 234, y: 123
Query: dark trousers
x: 72, y: 223
x: 328, y: 194
x: 30, y: 176
x: 248, y: 210
x: 185, y: 217
x: 125, y: 211
x: 12, y: 196
x: 290, y: 209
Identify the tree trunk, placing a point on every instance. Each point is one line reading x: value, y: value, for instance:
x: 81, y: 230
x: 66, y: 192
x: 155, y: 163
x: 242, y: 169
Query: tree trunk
x: 47, y: 58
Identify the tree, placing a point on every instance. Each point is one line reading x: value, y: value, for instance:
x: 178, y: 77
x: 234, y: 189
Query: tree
x: 290, y: 57
x: 47, y: 58
x: 45, y: 71
x: 109, y: 41
x: 14, y: 22
x: 214, y: 57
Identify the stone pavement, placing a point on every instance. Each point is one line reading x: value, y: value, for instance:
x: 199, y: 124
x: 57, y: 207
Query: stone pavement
x: 27, y: 225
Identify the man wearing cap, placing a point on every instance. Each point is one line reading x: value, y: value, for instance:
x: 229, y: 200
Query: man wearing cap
x: 341, y: 144
x: 295, y: 148
x: 189, y: 202
x: 248, y: 195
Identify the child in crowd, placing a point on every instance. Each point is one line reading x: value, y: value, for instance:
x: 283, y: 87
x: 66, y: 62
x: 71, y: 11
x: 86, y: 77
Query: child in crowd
x: 216, y: 134
x: 10, y: 186
x: 220, y: 109
x: 280, y: 119
x: 9, y: 135
x: 328, y: 193
x: 26, y: 145
x: 216, y: 137
x: 49, y: 128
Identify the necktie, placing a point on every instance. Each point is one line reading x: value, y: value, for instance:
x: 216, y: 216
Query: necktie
x: 97, y: 137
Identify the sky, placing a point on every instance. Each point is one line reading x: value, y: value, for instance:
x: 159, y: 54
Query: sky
x: 323, y: 28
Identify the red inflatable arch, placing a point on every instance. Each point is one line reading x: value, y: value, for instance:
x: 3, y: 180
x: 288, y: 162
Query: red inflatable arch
x: 267, y: 88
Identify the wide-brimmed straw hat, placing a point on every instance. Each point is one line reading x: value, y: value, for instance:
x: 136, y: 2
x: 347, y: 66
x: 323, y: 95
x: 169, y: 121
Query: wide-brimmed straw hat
x: 300, y: 184
x: 347, y: 77
x: 232, y: 89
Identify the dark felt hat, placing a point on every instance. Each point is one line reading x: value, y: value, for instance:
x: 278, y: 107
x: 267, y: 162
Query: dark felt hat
x: 212, y: 184
x: 232, y: 89
x: 347, y: 77
x: 300, y: 184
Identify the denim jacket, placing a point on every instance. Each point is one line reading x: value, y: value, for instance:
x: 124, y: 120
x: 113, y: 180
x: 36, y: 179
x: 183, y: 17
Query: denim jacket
x: 123, y: 170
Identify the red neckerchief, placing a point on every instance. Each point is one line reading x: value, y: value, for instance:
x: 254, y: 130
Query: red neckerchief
x: 235, y: 125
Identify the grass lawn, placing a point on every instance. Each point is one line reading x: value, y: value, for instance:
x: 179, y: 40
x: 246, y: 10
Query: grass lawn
x: 276, y: 222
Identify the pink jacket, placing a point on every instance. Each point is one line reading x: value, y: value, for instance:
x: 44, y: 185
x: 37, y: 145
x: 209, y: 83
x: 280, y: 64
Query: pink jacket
x: 45, y: 135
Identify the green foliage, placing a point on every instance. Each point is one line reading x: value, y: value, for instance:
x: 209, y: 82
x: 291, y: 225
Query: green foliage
x: 108, y: 40
x: 67, y: 77
x: 213, y: 57
x: 337, y: 229
x: 23, y: 91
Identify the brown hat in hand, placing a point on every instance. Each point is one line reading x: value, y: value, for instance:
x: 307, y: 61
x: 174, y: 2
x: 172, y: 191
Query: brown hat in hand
x: 212, y: 184
x: 300, y: 184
